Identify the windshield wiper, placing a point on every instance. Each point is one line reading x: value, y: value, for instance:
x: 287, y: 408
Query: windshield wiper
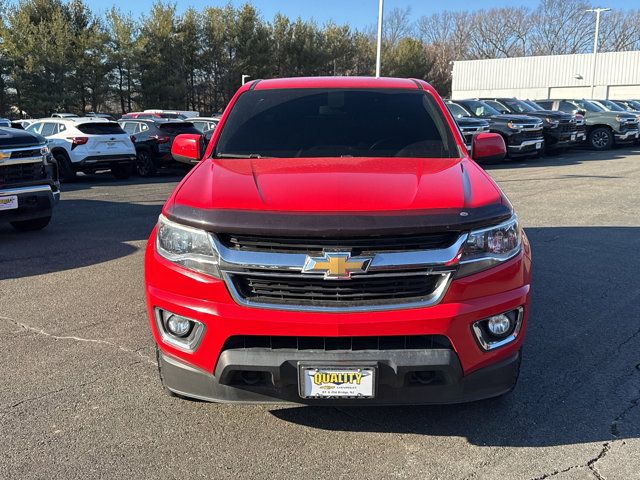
x: 240, y: 155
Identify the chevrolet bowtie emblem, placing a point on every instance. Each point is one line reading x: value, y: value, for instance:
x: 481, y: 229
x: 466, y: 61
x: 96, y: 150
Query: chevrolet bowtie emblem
x: 336, y: 265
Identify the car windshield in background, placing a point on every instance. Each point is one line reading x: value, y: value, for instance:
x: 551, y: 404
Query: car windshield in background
x: 634, y: 105
x: 519, y: 106
x: 178, y: 128
x: 533, y: 105
x: 612, y: 106
x: 101, y: 129
x: 336, y: 123
x: 589, y: 107
x: 456, y: 110
x: 480, y: 109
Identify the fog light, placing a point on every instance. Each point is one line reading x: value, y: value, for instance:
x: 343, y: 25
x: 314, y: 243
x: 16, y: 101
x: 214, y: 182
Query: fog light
x: 498, y: 330
x: 499, y: 325
x: 178, y: 326
x: 178, y: 331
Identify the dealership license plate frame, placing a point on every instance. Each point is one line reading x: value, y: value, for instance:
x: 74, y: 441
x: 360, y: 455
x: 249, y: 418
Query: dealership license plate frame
x: 8, y: 202
x: 368, y: 391
x: 538, y: 145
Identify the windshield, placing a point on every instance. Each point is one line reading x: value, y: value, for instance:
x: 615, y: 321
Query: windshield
x: 608, y: 104
x: 635, y: 105
x: 589, y: 107
x: 519, y: 106
x: 480, y: 109
x: 456, y: 110
x: 533, y: 105
x: 336, y: 123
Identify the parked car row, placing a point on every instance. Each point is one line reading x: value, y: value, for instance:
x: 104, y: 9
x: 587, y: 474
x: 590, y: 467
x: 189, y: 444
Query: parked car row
x: 533, y: 127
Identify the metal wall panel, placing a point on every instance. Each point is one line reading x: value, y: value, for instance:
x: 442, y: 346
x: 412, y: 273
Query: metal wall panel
x: 533, y: 76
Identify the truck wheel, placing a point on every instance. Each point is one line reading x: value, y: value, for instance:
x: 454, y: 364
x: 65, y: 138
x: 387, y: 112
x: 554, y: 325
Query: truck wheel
x: 31, y: 225
x: 67, y: 173
x: 601, y: 138
x: 145, y: 166
x: 122, y: 172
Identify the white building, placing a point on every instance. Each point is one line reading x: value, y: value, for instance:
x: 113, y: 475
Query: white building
x: 558, y: 76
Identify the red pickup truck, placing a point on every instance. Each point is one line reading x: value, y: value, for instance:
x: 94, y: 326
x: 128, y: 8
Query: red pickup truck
x: 336, y: 244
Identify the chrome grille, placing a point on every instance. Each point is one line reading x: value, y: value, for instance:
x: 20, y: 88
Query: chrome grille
x: 273, y: 275
x: 364, y: 290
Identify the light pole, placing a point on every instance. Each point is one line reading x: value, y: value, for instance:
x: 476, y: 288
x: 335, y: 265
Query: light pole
x: 379, y: 50
x: 597, y: 11
x: 245, y: 78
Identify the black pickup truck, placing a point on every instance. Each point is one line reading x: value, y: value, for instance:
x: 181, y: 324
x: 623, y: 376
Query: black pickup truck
x: 468, y: 126
x: 559, y: 128
x: 29, y: 185
x: 522, y: 134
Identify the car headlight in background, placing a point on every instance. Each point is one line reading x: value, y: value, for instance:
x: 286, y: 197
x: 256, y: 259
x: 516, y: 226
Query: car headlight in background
x: 490, y: 246
x: 513, y: 126
x: 188, y: 247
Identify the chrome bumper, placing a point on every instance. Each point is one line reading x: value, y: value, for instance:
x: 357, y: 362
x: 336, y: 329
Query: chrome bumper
x: 527, y: 143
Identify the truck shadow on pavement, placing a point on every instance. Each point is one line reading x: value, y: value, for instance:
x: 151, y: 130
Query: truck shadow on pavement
x: 82, y: 233
x: 580, y: 379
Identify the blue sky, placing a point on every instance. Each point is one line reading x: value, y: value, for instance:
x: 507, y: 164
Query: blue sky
x: 357, y: 13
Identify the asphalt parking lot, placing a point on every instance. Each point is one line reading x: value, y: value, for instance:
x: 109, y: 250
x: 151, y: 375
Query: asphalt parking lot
x: 80, y: 397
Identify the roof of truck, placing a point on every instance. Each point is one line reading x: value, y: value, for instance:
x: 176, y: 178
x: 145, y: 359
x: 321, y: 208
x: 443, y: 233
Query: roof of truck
x: 338, y: 82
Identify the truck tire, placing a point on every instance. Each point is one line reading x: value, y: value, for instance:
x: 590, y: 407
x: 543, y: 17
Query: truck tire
x: 67, y: 173
x: 601, y: 138
x: 31, y: 225
x: 122, y: 172
x: 145, y: 166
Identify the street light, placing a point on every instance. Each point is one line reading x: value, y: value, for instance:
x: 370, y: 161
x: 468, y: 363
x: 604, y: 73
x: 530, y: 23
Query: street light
x: 245, y: 78
x: 379, y: 50
x: 597, y: 11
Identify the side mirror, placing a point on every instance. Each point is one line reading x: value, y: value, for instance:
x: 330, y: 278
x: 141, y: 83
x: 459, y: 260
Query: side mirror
x: 488, y: 147
x: 186, y: 148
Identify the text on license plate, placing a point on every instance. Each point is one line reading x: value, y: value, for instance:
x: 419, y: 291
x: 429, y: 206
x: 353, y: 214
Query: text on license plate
x: 538, y: 145
x: 9, y: 203
x: 337, y: 382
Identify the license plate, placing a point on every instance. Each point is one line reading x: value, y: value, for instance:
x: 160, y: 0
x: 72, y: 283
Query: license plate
x: 9, y: 203
x: 573, y: 137
x: 337, y: 382
x: 538, y: 145
x: 111, y: 144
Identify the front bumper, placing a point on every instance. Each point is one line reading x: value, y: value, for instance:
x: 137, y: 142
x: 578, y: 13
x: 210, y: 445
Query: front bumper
x: 394, y: 381
x: 35, y: 201
x: 205, y: 372
x: 628, y: 136
x: 526, y: 146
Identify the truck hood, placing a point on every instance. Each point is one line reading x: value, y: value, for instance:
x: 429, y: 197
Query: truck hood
x: 515, y: 118
x: 15, y: 138
x: 219, y: 192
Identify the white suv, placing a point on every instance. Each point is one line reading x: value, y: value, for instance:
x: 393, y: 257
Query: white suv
x: 82, y: 144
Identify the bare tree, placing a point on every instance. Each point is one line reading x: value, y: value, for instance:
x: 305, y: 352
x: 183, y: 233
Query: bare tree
x: 500, y: 32
x: 397, y: 25
x: 561, y: 27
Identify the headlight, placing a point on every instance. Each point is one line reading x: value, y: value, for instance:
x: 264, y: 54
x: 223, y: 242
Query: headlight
x: 513, y: 126
x: 621, y: 119
x: 44, y: 150
x: 188, y: 247
x: 491, y: 246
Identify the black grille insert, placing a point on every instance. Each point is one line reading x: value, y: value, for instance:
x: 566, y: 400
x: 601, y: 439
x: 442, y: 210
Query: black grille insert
x: 356, y: 245
x: 22, y: 172
x: 366, y: 290
x: 26, y: 153
x: 401, y: 342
